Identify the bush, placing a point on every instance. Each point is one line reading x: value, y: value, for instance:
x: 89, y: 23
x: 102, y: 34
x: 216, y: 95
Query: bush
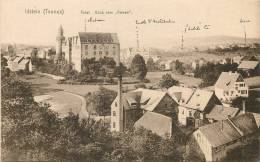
x: 167, y: 81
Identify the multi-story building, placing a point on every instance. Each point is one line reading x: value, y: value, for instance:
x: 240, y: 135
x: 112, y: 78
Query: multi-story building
x: 88, y: 45
x: 230, y: 86
x: 194, y: 104
x: 134, y: 108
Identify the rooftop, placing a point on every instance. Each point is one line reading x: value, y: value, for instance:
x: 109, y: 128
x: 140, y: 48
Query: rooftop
x: 155, y: 122
x: 227, y: 80
x: 228, y: 130
x: 248, y: 65
x: 89, y: 37
x: 220, y: 112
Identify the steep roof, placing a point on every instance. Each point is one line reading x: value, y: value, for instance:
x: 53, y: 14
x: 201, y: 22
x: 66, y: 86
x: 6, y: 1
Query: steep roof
x: 150, y: 98
x: 88, y: 37
x: 130, y: 98
x: 228, y: 130
x: 192, y: 98
x: 248, y: 65
x: 227, y: 80
x: 145, y: 98
x: 155, y: 122
x: 245, y: 123
x: 220, y: 112
x: 199, y: 99
x: 180, y: 94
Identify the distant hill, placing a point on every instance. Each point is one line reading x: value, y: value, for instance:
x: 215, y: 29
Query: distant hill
x: 203, y: 43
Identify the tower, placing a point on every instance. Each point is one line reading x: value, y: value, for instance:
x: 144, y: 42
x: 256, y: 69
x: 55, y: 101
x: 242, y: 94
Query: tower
x: 182, y: 41
x: 59, y: 39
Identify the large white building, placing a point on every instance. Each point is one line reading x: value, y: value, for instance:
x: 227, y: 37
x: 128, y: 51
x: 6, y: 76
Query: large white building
x: 88, y: 45
x: 230, y: 86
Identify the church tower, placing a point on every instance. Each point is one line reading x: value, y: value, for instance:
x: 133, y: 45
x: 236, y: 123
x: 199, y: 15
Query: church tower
x: 59, y: 39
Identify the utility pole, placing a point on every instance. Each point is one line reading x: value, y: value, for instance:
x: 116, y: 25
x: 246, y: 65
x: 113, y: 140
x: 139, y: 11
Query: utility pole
x: 243, y: 22
x: 182, y: 41
x: 85, y: 25
x: 137, y: 39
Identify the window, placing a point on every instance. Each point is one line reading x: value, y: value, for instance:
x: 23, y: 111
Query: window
x: 244, y: 92
x: 106, y: 52
x: 100, y: 52
x: 115, y: 104
x: 190, y: 114
x: 95, y: 53
x: 86, y: 47
x: 114, y: 113
x: 114, y: 124
x: 95, y: 47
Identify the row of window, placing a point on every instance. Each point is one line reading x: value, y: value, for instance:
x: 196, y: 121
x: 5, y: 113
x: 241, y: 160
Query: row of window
x: 100, y: 47
x: 100, y: 53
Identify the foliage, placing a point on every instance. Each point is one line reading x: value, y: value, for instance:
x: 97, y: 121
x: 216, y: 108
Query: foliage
x: 31, y: 131
x: 5, y: 72
x: 151, y: 66
x: 138, y: 67
x: 99, y: 102
x: 143, y: 145
x: 210, y: 72
x: 179, y: 67
x: 167, y: 81
x: 248, y: 152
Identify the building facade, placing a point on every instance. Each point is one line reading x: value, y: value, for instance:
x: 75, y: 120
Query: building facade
x: 74, y: 49
x: 218, y: 139
x: 230, y: 86
x: 136, y: 103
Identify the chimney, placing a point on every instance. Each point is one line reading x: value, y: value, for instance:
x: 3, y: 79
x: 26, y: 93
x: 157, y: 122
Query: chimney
x: 222, y: 125
x: 119, y: 93
x: 244, y: 105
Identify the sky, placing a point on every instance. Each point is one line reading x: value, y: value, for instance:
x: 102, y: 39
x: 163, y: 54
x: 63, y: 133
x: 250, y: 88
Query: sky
x: 223, y: 16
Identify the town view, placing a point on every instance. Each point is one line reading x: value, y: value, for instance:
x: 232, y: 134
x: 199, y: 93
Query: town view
x: 93, y: 96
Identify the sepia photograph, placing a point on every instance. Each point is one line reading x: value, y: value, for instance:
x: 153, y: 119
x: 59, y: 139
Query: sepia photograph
x: 130, y: 80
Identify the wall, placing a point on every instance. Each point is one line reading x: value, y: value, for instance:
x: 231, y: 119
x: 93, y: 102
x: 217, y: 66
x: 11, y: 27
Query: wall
x: 167, y: 106
x: 204, y: 145
x: 118, y: 119
x: 102, y: 50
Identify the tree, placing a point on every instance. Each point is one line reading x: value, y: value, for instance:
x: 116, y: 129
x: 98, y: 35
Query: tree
x: 32, y: 131
x: 138, y: 67
x: 167, y: 81
x: 150, y: 64
x: 99, y: 102
x: 179, y: 67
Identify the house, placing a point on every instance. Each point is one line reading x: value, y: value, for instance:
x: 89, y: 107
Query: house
x: 230, y: 86
x: 84, y: 45
x: 237, y: 59
x: 157, y: 123
x: 18, y: 63
x: 193, y: 104
x: 250, y: 68
x: 138, y: 102
x: 195, y: 64
x: 217, y: 139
